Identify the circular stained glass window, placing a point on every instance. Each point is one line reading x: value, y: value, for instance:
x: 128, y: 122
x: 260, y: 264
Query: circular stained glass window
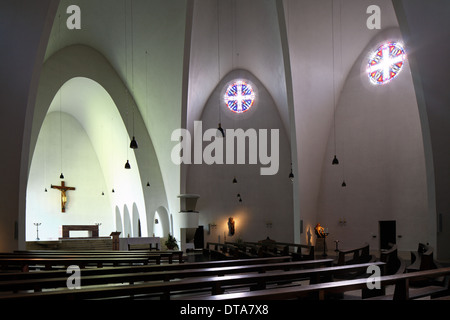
x: 386, y: 63
x: 239, y: 96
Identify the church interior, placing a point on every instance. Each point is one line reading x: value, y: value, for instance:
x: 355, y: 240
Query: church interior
x: 239, y: 129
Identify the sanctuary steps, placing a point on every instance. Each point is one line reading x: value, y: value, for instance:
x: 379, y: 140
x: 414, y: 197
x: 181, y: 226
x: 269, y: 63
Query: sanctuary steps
x: 72, y: 244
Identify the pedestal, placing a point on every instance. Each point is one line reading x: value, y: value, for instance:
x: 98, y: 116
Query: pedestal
x: 321, y: 246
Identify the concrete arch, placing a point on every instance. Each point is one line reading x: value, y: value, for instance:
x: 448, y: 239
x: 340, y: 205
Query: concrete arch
x: 80, y: 61
x: 135, y: 221
x: 118, y: 221
x: 126, y: 222
x: 164, y: 220
x: 380, y: 143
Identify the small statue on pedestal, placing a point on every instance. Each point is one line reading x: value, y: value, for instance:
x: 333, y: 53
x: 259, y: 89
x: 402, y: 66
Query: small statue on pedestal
x: 322, y: 235
x: 320, y: 232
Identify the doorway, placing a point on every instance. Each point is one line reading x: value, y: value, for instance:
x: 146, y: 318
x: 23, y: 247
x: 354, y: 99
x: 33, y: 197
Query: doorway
x: 388, y: 233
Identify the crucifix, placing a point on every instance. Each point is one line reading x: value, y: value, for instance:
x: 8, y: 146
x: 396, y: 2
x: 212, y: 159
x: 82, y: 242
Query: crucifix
x: 63, y: 188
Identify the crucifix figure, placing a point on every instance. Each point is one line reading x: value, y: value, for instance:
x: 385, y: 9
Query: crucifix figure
x: 63, y: 188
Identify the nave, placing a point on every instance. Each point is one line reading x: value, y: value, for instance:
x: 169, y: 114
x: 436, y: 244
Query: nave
x: 233, y: 271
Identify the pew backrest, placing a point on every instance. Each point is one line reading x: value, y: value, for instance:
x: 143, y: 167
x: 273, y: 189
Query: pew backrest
x: 358, y: 255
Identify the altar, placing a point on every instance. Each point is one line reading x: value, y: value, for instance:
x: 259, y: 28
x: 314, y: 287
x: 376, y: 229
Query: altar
x: 91, y: 229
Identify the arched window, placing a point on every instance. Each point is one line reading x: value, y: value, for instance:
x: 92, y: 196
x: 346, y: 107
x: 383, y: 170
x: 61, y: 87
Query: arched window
x: 386, y: 62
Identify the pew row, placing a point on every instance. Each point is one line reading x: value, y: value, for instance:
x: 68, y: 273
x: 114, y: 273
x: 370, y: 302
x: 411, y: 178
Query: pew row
x: 297, y: 251
x: 321, y: 290
x: 38, y: 284
x: 215, y: 285
x: 24, y: 263
x: 356, y: 255
x: 142, y: 268
x: 165, y: 254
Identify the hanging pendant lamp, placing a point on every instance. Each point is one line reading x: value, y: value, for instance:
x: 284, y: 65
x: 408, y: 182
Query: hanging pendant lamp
x: 343, y: 184
x: 335, y: 161
x: 61, y: 176
x: 234, y: 180
x: 133, y: 143
x: 127, y: 165
x: 220, y: 129
x: 291, y: 176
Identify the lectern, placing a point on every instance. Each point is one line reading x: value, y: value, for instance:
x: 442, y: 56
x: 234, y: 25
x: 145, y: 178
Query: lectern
x: 115, y: 240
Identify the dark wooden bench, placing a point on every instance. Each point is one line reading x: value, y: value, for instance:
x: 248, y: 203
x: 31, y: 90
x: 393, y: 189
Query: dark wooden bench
x: 356, y: 255
x: 152, y: 255
x: 394, y: 264
x: 38, y: 284
x: 321, y: 290
x: 298, y: 250
x: 215, y: 284
x: 278, y: 248
x: 141, y: 268
x: 422, y: 259
x: 223, y: 251
x: 143, y: 246
x: 24, y: 263
x: 260, y: 249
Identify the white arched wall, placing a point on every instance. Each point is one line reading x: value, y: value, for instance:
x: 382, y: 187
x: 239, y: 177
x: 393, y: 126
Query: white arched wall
x: 118, y: 221
x: 80, y: 61
x: 254, y: 219
x: 135, y: 220
x: 126, y: 223
x: 380, y: 148
x: 86, y: 204
x: 309, y: 33
x: 99, y: 120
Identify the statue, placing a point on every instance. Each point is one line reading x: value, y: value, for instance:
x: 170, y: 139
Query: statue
x: 230, y: 226
x: 320, y: 232
x: 63, y: 188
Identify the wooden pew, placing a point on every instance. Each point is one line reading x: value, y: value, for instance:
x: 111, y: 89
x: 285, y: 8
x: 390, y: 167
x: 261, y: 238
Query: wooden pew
x: 25, y: 260
x: 143, y: 268
x: 321, y: 290
x: 394, y: 264
x: 214, y: 284
x: 222, y: 251
x: 145, y: 246
x: 164, y: 254
x: 422, y: 259
x: 243, y: 250
x: 282, y: 248
x: 358, y: 255
x: 38, y: 284
x: 261, y: 249
x: 24, y: 263
x: 297, y: 254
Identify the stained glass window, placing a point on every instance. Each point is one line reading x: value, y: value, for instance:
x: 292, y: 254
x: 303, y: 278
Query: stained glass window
x: 239, y: 96
x: 386, y: 63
